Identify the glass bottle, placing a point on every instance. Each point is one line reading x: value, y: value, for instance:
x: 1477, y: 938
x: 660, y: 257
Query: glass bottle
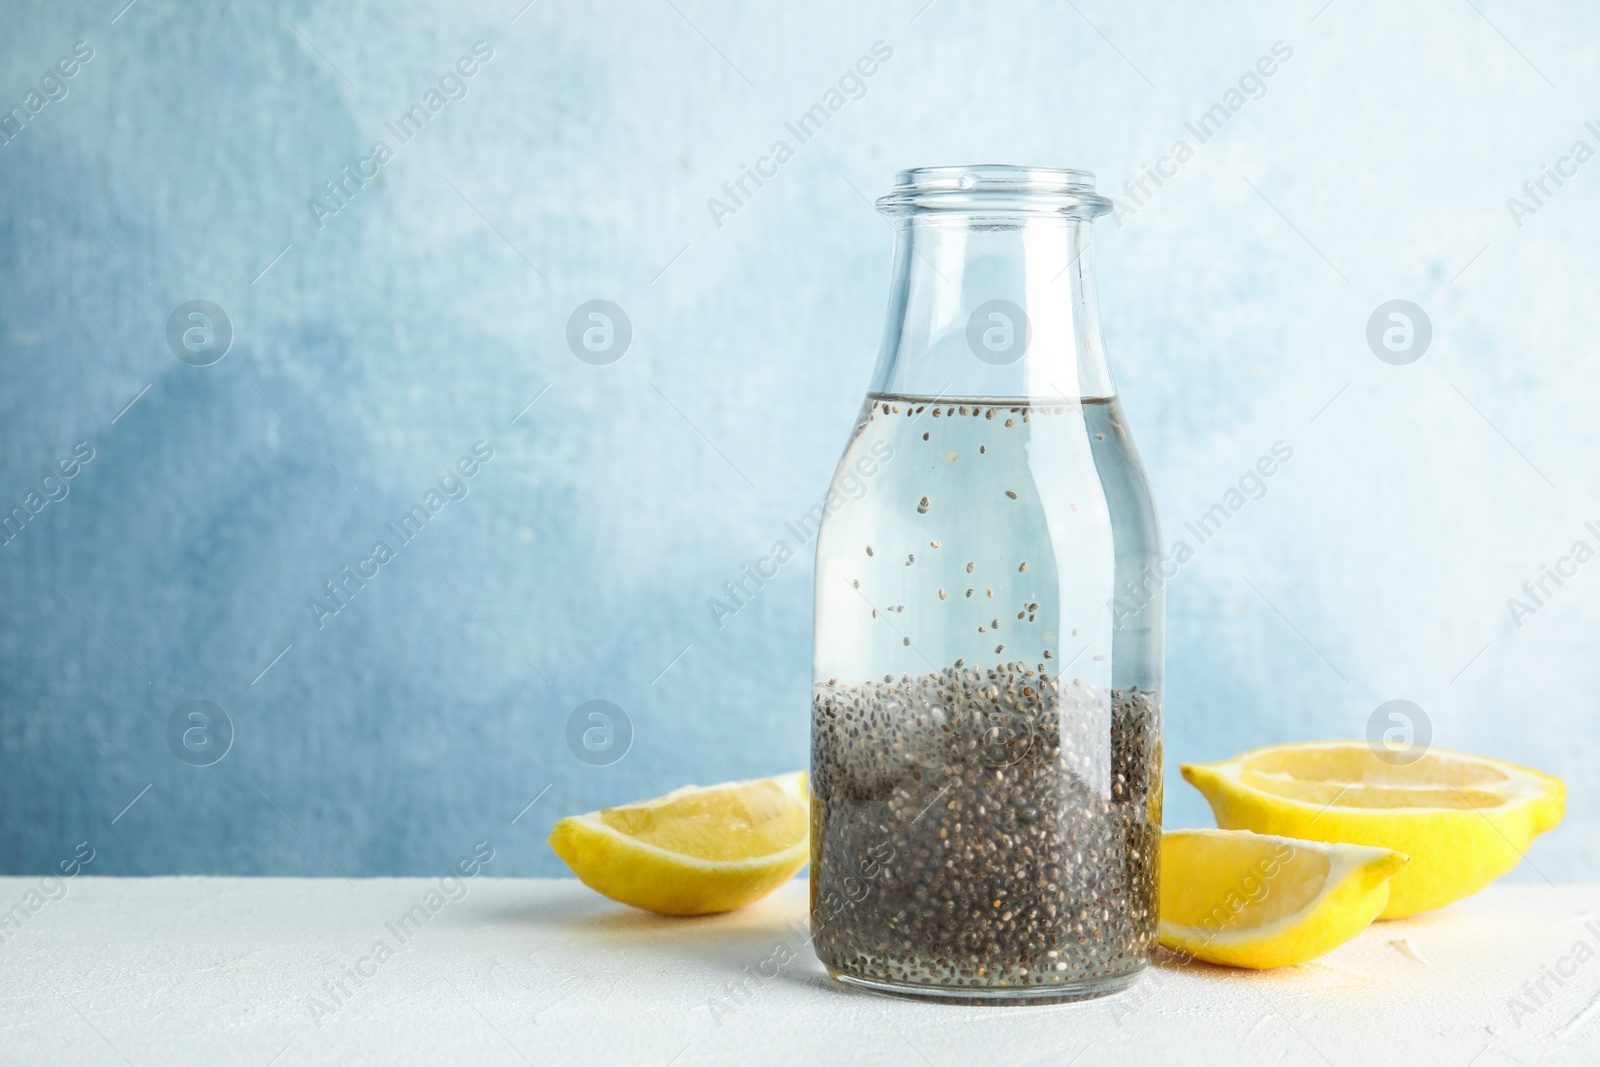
x: 987, y: 661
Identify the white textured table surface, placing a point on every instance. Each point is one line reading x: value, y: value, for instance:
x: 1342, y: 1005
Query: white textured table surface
x: 230, y: 970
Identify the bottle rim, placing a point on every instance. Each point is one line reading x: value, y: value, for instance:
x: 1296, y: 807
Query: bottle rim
x: 994, y: 189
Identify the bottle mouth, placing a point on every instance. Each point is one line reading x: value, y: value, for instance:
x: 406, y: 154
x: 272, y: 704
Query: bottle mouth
x: 994, y: 189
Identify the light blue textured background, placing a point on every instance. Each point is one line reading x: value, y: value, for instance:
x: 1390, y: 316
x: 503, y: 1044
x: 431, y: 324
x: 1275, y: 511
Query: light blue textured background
x: 428, y: 311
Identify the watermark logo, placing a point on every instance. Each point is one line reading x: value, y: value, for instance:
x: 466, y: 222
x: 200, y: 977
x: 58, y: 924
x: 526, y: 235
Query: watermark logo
x: 830, y: 904
x: 849, y: 484
x: 998, y: 332
x: 1539, y: 590
x: 1540, y: 990
x: 199, y: 733
x: 54, y: 485
x: 1253, y: 887
x: 1007, y: 740
x: 1137, y: 592
x: 1537, y: 192
x: 450, y: 888
x: 1399, y: 332
x: 599, y: 733
x: 53, y: 86
x: 599, y: 332
x: 740, y: 190
x: 50, y: 888
x: 199, y: 333
x: 341, y: 591
x: 339, y: 191
x: 1399, y: 732
x: 1252, y: 85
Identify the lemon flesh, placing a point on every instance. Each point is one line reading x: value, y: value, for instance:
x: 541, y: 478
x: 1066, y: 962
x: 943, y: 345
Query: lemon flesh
x: 697, y: 850
x: 1464, y: 820
x: 1253, y: 900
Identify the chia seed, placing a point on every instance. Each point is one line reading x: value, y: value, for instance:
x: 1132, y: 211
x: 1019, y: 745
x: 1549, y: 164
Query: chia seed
x: 1021, y: 818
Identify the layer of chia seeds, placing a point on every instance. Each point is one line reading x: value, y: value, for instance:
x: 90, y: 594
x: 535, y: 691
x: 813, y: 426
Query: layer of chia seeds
x: 985, y: 828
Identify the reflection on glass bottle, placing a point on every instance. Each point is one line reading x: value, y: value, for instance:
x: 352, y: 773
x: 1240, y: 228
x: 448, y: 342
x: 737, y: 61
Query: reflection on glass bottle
x: 986, y: 755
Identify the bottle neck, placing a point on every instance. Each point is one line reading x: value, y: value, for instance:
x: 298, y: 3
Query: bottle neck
x: 993, y: 306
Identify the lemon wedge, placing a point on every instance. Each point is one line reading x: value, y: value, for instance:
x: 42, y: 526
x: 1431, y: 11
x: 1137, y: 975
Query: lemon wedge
x: 1253, y: 900
x: 696, y: 850
x: 1464, y: 820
